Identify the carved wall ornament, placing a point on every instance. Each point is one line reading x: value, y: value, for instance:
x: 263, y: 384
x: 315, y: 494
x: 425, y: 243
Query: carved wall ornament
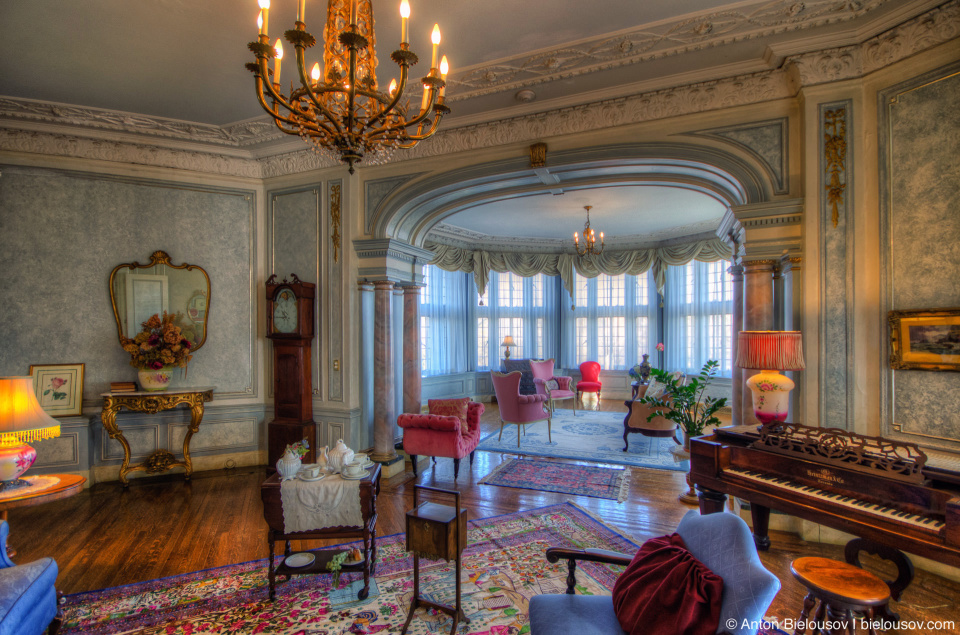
x: 538, y: 155
x: 834, y: 156
x: 335, y: 219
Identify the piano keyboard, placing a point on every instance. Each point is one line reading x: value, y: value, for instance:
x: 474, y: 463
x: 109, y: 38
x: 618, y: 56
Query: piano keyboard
x: 930, y: 524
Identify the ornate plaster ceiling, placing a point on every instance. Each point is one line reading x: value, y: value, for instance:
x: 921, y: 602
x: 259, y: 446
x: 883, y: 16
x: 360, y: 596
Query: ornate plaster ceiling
x: 175, y: 68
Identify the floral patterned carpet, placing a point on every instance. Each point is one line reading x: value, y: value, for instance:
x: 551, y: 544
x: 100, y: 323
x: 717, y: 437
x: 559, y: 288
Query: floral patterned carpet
x: 564, y: 478
x: 503, y: 566
x: 589, y: 436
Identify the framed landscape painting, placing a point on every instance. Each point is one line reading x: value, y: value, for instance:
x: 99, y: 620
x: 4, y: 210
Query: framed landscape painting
x: 925, y: 339
x: 59, y: 388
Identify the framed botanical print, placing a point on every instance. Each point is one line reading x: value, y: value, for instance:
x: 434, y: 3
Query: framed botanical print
x: 59, y: 388
x: 925, y: 339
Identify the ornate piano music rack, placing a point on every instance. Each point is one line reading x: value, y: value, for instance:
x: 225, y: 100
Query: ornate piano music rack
x: 888, y: 458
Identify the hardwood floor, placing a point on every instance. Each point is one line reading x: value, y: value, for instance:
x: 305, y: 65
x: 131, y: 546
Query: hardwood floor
x: 162, y: 526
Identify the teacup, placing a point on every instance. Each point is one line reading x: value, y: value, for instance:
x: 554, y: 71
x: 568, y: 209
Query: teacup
x: 353, y: 468
x: 360, y: 457
x: 310, y: 470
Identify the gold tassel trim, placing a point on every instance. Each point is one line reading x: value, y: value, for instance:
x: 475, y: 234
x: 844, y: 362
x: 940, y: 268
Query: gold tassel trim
x: 26, y: 436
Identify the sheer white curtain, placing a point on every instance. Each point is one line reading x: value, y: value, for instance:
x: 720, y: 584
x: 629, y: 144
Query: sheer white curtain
x: 697, y: 309
x: 444, y: 321
x: 522, y: 307
x: 614, y: 322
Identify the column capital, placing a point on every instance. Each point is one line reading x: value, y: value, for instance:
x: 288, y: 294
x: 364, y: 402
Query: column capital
x: 383, y: 285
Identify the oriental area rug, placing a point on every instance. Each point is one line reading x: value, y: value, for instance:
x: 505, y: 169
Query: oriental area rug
x: 503, y: 567
x: 563, y: 478
x: 589, y: 436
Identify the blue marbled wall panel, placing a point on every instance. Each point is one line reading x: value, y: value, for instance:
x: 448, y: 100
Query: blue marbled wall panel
x: 769, y: 142
x: 836, y: 328
x: 295, y: 248
x: 61, y: 233
x: 923, y: 137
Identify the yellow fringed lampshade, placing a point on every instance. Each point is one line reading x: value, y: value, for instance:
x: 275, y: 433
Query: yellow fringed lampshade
x: 21, y: 417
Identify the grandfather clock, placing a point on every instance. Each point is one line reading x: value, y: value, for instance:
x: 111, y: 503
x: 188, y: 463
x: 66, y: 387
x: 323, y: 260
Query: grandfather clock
x: 290, y: 326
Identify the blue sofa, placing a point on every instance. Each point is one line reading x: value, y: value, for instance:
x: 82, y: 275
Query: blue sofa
x: 28, y: 595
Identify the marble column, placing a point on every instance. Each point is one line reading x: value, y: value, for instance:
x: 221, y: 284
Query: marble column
x: 384, y: 395
x: 758, y: 315
x: 412, y: 384
x: 397, y: 354
x: 736, y: 381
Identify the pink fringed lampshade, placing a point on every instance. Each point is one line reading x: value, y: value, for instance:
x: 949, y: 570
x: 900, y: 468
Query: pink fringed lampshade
x: 769, y: 352
x: 21, y: 420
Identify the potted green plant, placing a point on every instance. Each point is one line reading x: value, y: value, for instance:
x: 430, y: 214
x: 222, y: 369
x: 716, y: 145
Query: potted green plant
x: 684, y: 402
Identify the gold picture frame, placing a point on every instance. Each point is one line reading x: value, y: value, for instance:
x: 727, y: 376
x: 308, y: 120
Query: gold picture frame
x: 59, y: 388
x: 925, y: 339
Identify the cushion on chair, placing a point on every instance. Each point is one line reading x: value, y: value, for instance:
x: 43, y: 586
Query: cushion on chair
x: 588, y: 386
x: 450, y: 408
x: 28, y: 599
x: 527, y: 385
x: 562, y: 614
x: 665, y: 590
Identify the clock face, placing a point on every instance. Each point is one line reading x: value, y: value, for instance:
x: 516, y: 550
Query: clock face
x: 285, y: 312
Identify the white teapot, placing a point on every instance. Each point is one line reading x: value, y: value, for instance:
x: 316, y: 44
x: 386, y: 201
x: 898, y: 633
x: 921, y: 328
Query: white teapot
x: 288, y: 465
x: 339, y: 456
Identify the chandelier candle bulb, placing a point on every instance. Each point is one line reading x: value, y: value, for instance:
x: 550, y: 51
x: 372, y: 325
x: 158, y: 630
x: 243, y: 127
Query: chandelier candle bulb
x: 315, y: 72
x: 265, y: 13
x: 444, y: 68
x: 404, y: 14
x: 393, y: 87
x: 278, y: 47
x: 435, y: 38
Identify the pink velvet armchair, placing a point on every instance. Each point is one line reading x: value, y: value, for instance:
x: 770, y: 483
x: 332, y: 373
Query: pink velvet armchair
x: 520, y: 410
x: 544, y: 379
x: 442, y: 435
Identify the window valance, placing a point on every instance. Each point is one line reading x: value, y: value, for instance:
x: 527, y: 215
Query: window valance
x: 633, y: 262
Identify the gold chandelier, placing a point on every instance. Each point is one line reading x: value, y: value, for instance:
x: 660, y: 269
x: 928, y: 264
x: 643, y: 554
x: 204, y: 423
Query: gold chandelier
x: 589, y: 238
x: 346, y: 115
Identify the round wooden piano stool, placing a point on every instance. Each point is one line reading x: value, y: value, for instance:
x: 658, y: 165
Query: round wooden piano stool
x: 842, y: 590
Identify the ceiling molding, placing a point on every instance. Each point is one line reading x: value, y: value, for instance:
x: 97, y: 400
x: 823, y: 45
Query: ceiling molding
x: 693, y: 32
x: 447, y: 234
x: 38, y: 127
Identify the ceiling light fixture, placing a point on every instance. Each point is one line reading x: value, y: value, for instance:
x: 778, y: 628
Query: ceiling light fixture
x: 589, y: 238
x: 345, y: 115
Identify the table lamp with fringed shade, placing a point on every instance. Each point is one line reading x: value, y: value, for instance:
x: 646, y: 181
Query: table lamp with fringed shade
x: 769, y: 352
x: 507, y: 343
x: 21, y: 420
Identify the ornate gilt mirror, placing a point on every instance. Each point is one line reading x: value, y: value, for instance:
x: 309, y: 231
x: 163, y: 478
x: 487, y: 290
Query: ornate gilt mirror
x: 138, y: 292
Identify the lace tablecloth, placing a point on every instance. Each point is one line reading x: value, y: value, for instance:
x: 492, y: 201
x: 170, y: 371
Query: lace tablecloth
x: 330, y: 502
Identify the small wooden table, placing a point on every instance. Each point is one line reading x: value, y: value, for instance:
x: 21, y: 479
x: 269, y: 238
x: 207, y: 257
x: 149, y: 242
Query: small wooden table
x: 66, y: 486
x: 273, y: 514
x: 153, y: 402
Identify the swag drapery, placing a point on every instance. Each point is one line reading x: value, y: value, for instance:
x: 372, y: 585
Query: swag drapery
x: 633, y: 262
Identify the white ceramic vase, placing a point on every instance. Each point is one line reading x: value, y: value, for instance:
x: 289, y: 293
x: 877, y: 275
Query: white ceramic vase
x: 159, y: 379
x: 288, y: 465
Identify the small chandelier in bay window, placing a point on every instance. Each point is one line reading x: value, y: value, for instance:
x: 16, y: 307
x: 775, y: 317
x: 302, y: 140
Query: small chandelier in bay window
x: 589, y: 238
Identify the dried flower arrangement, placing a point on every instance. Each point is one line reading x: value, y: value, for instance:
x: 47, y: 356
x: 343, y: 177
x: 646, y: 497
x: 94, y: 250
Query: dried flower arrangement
x: 160, y: 343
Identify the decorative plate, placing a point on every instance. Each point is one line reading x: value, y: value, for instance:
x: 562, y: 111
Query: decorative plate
x: 298, y: 560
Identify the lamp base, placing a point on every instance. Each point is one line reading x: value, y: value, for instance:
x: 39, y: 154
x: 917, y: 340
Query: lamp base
x: 771, y: 395
x: 14, y: 461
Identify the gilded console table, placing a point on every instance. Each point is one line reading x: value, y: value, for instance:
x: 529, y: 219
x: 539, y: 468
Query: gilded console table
x: 153, y: 402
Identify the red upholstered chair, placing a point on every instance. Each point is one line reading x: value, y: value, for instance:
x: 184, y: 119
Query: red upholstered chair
x: 520, y: 410
x: 442, y: 435
x: 555, y: 387
x: 590, y: 380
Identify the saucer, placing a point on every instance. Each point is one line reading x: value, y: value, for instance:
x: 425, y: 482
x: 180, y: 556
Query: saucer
x: 355, y: 478
x: 368, y: 464
x: 301, y: 559
x: 309, y: 479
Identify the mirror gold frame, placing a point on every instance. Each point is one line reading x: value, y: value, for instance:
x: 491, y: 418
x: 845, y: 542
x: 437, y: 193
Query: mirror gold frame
x: 162, y: 268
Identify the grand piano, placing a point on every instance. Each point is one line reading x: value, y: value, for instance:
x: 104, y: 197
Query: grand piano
x: 884, y: 492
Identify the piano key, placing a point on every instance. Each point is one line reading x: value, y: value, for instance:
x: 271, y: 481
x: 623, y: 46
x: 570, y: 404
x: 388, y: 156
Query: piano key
x: 884, y: 511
